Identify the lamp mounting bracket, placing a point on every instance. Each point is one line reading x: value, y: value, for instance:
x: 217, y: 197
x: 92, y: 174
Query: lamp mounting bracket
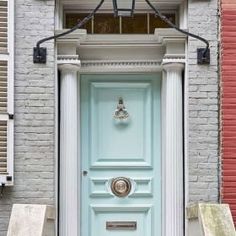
x: 203, y: 56
x: 40, y: 55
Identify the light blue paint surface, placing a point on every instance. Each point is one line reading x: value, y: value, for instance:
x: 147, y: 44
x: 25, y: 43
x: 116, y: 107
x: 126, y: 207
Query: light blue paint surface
x: 111, y: 149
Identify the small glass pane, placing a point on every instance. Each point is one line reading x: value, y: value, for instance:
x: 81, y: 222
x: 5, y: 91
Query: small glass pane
x: 157, y: 22
x: 135, y: 25
x: 106, y: 24
x: 73, y: 18
x: 125, y: 8
x: 128, y: 4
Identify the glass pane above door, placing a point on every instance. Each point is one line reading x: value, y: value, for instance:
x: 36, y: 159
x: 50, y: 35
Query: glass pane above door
x: 73, y: 18
x: 106, y: 23
x: 138, y: 24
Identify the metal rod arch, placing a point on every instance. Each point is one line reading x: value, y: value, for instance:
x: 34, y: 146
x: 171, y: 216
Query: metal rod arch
x: 203, y: 54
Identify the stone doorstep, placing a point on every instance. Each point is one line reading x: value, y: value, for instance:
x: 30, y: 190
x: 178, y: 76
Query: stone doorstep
x: 28, y: 220
x: 210, y: 220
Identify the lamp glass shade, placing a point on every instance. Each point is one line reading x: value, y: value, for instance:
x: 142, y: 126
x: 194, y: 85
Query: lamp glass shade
x: 124, y: 7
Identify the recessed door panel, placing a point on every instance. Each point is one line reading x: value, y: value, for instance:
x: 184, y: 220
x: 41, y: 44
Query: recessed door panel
x: 115, y: 143
x: 123, y: 221
x: 120, y: 155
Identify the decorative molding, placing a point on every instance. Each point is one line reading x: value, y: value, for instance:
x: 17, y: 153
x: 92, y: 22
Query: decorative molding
x: 174, y: 65
x: 174, y: 57
x: 67, y: 57
x: 171, y: 62
x: 120, y: 63
x: 125, y: 66
x: 68, y: 62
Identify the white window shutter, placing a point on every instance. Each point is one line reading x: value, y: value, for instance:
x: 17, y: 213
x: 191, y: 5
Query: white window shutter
x: 6, y: 92
x: 3, y: 26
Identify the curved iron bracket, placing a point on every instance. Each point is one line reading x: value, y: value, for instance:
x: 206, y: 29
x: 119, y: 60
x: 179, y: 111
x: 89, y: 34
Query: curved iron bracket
x: 40, y: 53
x: 203, y: 54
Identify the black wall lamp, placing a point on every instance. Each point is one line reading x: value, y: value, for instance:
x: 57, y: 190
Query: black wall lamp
x: 123, y: 8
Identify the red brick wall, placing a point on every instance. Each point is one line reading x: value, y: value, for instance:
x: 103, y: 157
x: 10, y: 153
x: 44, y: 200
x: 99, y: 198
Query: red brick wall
x: 228, y: 102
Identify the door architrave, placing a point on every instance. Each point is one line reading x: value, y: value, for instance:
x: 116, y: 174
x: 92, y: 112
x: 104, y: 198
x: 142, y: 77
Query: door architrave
x: 169, y: 47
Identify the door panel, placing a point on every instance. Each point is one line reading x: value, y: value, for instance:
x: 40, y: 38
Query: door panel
x: 120, y: 148
x: 140, y: 215
x: 120, y: 144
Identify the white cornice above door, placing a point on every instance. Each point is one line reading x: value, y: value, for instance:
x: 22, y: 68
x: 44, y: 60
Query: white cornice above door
x: 140, y: 4
x: 114, y: 53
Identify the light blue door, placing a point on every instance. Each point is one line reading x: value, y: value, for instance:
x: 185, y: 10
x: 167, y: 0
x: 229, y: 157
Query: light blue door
x: 120, y: 155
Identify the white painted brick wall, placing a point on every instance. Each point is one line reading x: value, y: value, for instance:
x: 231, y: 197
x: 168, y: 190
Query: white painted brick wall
x: 203, y: 104
x: 34, y: 110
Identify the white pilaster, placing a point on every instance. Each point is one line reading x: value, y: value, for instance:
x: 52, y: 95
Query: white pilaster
x: 69, y: 184
x: 172, y: 110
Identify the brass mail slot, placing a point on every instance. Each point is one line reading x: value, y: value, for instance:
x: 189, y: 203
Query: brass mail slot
x: 121, y: 225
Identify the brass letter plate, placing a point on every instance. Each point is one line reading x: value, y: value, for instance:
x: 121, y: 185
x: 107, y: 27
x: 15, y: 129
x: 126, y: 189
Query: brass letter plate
x: 121, y: 225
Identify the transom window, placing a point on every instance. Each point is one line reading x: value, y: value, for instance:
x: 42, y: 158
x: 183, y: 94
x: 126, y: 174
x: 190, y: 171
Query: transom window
x: 106, y: 23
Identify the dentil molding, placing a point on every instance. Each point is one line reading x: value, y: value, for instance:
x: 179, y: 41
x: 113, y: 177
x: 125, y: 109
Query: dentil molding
x: 68, y: 62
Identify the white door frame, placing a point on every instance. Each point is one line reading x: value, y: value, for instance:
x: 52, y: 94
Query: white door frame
x: 168, y: 58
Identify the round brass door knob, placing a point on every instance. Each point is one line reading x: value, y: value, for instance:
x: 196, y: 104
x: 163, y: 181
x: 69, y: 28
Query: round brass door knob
x: 121, y: 186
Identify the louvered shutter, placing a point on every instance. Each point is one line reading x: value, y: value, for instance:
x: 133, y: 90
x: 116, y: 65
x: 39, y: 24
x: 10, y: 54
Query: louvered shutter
x: 6, y: 91
x: 3, y: 26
